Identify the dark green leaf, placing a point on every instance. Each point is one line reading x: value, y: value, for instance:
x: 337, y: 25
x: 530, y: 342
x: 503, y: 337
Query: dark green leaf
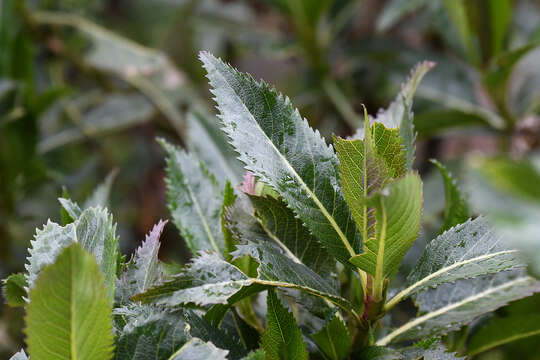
x: 14, y: 290
x: 334, y: 339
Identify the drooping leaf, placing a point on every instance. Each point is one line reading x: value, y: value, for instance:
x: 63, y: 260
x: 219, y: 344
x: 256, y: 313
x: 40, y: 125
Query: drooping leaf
x: 456, y: 210
x: 144, y: 270
x: 366, y: 166
x: 150, y: 333
x: 437, y: 352
x: 450, y: 306
x: 205, y: 139
x: 69, y: 315
x: 93, y: 229
x: 501, y: 330
x: 100, y: 196
x: 14, y: 290
x: 334, y: 339
x: 283, y: 338
x: 279, y: 222
x: 279, y: 147
x: 194, y: 199
x: 397, y: 214
x: 196, y: 349
x: 465, y: 251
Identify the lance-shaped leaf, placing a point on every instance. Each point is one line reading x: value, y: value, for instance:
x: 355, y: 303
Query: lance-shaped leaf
x: 205, y: 139
x: 280, y: 224
x: 14, y: 290
x: 366, y: 166
x: 71, y: 207
x: 280, y: 148
x: 150, y: 333
x: 100, y: 196
x: 144, y: 270
x: 450, y: 306
x: 465, y: 251
x: 397, y: 211
x: 196, y: 349
x: 93, y: 229
x: 334, y: 339
x: 398, y: 115
x: 456, y: 210
x: 194, y: 199
x: 69, y: 316
x: 283, y: 338
x: 21, y: 355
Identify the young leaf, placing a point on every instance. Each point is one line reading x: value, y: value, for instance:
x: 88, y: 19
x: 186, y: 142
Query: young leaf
x: 437, y: 352
x: 456, y: 210
x: 21, y: 355
x: 366, y: 166
x: 69, y: 315
x: 334, y: 339
x: 194, y: 199
x: 196, y: 349
x: 150, y: 332
x: 255, y: 355
x: 450, y: 306
x: 14, y: 290
x: 144, y: 271
x: 501, y: 330
x: 71, y: 208
x: 397, y: 224
x: 283, y: 338
x: 279, y: 147
x: 465, y: 251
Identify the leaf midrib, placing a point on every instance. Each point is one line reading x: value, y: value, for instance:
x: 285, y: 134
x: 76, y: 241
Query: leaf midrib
x: 295, y: 174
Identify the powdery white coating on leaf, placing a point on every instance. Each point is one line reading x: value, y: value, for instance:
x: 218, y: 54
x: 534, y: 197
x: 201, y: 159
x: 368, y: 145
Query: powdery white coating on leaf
x: 196, y: 349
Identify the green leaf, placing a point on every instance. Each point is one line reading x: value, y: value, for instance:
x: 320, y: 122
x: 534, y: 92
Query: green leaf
x: 334, y: 339
x: 229, y: 198
x: 100, y: 196
x: 399, y: 114
x: 71, y: 208
x: 150, y: 333
x: 397, y: 213
x: 144, y: 270
x: 14, y: 290
x: 93, y: 229
x: 282, y: 339
x: 378, y: 353
x: 395, y: 10
x: 69, y: 315
x: 255, y: 355
x: 196, y: 349
x: 194, y: 199
x: 456, y: 210
x: 279, y: 147
x: 450, y: 306
x: 501, y: 330
x: 209, y: 143
x: 367, y: 166
x: 437, y: 352
x: 468, y: 250
x: 280, y: 224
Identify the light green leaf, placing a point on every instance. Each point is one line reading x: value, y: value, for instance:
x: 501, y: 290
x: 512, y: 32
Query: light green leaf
x: 501, y: 330
x: 456, y: 210
x: 93, y: 229
x: 397, y: 212
x: 366, y: 166
x: 334, y: 339
x: 150, y: 333
x: 450, y: 306
x: 14, y: 290
x: 100, y: 196
x: 194, y: 199
x: 196, y: 349
x: 279, y: 147
x: 468, y: 250
x: 255, y: 355
x: 282, y: 339
x: 209, y: 143
x: 69, y: 315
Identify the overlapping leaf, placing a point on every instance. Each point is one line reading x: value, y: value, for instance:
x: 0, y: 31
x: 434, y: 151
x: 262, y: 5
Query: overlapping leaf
x: 450, y: 306
x: 196, y: 349
x: 465, y: 251
x: 279, y: 147
x: 334, y: 339
x: 195, y: 200
x: 69, y: 316
x: 13, y: 290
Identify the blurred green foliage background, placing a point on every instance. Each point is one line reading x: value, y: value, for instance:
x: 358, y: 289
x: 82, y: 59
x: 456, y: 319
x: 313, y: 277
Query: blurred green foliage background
x: 87, y: 86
